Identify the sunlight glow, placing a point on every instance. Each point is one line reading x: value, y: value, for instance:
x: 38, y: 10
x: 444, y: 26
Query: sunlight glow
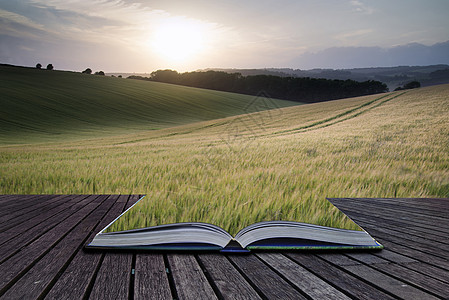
x: 179, y: 40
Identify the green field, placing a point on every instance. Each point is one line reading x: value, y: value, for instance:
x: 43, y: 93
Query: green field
x: 234, y: 171
x: 42, y: 106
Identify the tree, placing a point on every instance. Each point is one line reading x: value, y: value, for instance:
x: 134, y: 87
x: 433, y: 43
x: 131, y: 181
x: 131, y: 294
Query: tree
x: 49, y: 67
x: 412, y: 85
x: 87, y: 71
x: 167, y: 76
x: 38, y: 66
x: 99, y: 73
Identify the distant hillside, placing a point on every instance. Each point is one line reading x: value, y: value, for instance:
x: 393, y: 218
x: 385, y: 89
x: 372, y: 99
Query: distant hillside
x: 301, y: 89
x: 40, y: 105
x: 393, y: 77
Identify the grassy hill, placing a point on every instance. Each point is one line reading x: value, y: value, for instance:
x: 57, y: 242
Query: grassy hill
x: 41, y: 105
x: 233, y: 171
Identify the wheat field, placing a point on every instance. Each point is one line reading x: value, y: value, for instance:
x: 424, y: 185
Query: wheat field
x: 275, y: 164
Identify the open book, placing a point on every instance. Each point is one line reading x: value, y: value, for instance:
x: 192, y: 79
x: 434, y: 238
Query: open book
x: 267, y: 235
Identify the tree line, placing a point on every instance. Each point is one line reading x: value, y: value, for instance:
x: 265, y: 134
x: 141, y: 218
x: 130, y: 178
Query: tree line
x: 302, y: 89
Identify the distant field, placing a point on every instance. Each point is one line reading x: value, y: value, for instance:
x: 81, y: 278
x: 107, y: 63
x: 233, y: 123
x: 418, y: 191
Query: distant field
x: 41, y: 106
x: 276, y: 164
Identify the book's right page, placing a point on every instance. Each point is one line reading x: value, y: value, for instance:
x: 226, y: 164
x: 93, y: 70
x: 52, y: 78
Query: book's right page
x: 282, y: 234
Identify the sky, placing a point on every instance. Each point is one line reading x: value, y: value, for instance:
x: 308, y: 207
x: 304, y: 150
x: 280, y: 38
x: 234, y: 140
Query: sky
x: 146, y: 35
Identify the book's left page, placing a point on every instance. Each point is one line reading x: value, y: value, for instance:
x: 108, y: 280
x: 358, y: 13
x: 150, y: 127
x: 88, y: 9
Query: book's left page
x: 173, y: 236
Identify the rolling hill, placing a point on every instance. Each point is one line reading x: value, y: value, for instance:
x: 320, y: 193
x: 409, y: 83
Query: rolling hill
x: 236, y: 170
x: 41, y: 105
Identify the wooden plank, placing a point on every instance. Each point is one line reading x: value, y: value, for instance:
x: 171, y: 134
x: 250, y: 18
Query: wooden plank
x: 151, y: 281
x: 11, y: 200
x: 398, y: 284
x: 394, y: 257
x: 340, y: 259
x: 402, y: 272
x: 415, y: 253
x: 25, y: 201
x: 417, y: 279
x: 16, y: 214
x: 428, y: 204
x: 345, y: 282
x: 19, y: 201
x: 400, y: 213
x: 410, y: 242
x: 36, y: 280
x: 403, y: 234
x: 416, y: 206
x: 403, y: 228
x: 378, y: 219
x: 28, y: 213
x: 5, y: 198
x: 307, y: 282
x: 15, y: 266
x: 429, y: 270
x: 230, y: 283
x: 113, y: 262
x: 396, y: 287
x: 113, y: 278
x: 132, y: 200
x: 437, y: 223
x: 76, y: 280
x: 370, y: 258
x: 410, y: 263
x: 189, y: 279
x: 19, y: 240
x: 410, y: 250
x: 116, y: 210
x: 30, y: 222
x: 265, y: 280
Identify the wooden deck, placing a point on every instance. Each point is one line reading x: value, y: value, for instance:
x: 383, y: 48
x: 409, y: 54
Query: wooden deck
x: 42, y: 256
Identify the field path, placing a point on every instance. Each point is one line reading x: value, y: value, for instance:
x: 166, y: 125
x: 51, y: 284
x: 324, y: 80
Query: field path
x: 346, y: 115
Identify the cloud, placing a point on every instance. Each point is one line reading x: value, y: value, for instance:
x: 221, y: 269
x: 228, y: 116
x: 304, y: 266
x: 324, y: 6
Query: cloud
x: 354, y: 57
x: 19, y: 19
x: 360, y: 7
x: 349, y: 36
x: 116, y: 22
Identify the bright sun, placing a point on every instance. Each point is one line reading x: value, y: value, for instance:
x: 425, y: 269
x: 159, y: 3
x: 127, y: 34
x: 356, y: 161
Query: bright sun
x: 178, y: 40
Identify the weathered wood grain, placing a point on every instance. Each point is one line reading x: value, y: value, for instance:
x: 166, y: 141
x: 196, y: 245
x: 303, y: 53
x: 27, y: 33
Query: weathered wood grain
x: 112, y: 281
x: 42, y: 256
x: 306, y: 281
x: 230, y: 283
x: 400, y: 214
x: 27, y: 256
x: 76, y: 279
x: 189, y: 279
x: 267, y: 282
x: 344, y: 281
x: 33, y: 283
x: 396, y: 287
x: 151, y: 280
x: 16, y: 215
